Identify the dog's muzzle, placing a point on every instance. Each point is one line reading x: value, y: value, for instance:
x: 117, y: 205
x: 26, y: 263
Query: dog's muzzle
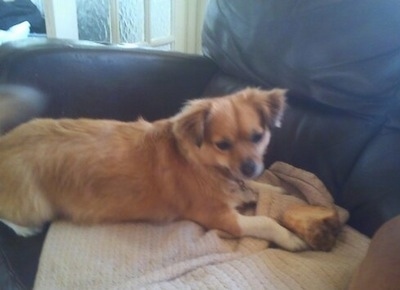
x: 248, y: 168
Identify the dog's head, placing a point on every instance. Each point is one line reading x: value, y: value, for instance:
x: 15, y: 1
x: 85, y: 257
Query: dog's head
x: 230, y: 133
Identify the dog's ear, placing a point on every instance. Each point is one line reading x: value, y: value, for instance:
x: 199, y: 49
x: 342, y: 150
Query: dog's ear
x: 190, y: 123
x: 270, y: 105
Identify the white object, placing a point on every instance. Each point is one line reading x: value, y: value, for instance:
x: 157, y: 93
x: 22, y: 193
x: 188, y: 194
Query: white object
x: 18, y: 31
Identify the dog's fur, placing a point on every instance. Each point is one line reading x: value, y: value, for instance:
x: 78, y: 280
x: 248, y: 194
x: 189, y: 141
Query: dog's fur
x: 190, y: 166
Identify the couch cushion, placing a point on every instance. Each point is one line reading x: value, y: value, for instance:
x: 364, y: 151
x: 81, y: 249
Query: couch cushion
x: 372, y: 191
x: 340, y: 61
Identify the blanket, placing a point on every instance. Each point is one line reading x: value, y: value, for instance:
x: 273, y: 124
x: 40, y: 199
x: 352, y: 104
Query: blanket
x: 183, y: 255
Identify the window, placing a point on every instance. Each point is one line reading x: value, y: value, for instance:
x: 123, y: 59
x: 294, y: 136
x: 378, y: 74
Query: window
x: 161, y: 24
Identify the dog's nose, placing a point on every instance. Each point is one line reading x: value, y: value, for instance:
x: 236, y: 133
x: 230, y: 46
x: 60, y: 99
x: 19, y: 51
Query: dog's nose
x: 248, y: 168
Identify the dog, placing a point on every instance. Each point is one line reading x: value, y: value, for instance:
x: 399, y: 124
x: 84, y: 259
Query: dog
x: 192, y: 166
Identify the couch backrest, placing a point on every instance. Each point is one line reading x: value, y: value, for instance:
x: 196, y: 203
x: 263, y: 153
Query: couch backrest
x: 85, y: 79
x: 345, y: 54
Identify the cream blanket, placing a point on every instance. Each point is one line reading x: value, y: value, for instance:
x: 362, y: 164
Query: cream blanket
x: 182, y: 255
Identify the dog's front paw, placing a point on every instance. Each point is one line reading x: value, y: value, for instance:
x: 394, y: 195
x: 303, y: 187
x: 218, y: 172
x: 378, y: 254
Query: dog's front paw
x: 291, y: 242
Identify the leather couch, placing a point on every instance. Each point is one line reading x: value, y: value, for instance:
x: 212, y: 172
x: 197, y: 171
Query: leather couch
x: 340, y: 61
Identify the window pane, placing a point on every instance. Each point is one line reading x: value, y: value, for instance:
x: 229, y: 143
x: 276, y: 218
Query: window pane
x: 131, y: 20
x: 94, y: 20
x: 160, y: 11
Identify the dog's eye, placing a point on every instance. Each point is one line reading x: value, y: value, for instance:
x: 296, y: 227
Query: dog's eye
x: 223, y: 145
x: 256, y: 137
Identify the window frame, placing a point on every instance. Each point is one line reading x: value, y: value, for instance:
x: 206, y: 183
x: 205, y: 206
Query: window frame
x: 186, y: 23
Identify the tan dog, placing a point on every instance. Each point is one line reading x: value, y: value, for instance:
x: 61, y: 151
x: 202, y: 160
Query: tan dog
x: 190, y: 166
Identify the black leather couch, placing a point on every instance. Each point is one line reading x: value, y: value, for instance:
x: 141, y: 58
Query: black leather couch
x: 340, y: 61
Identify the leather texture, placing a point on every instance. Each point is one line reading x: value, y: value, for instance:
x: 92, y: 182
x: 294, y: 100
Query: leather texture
x: 84, y: 79
x: 344, y: 54
x: 19, y: 258
x: 340, y: 61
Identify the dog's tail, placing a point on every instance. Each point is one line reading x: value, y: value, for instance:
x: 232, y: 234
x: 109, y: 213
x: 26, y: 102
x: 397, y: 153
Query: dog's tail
x: 19, y: 104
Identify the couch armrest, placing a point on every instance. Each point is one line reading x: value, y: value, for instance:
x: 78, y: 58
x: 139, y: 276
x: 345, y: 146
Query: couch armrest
x: 86, y: 79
